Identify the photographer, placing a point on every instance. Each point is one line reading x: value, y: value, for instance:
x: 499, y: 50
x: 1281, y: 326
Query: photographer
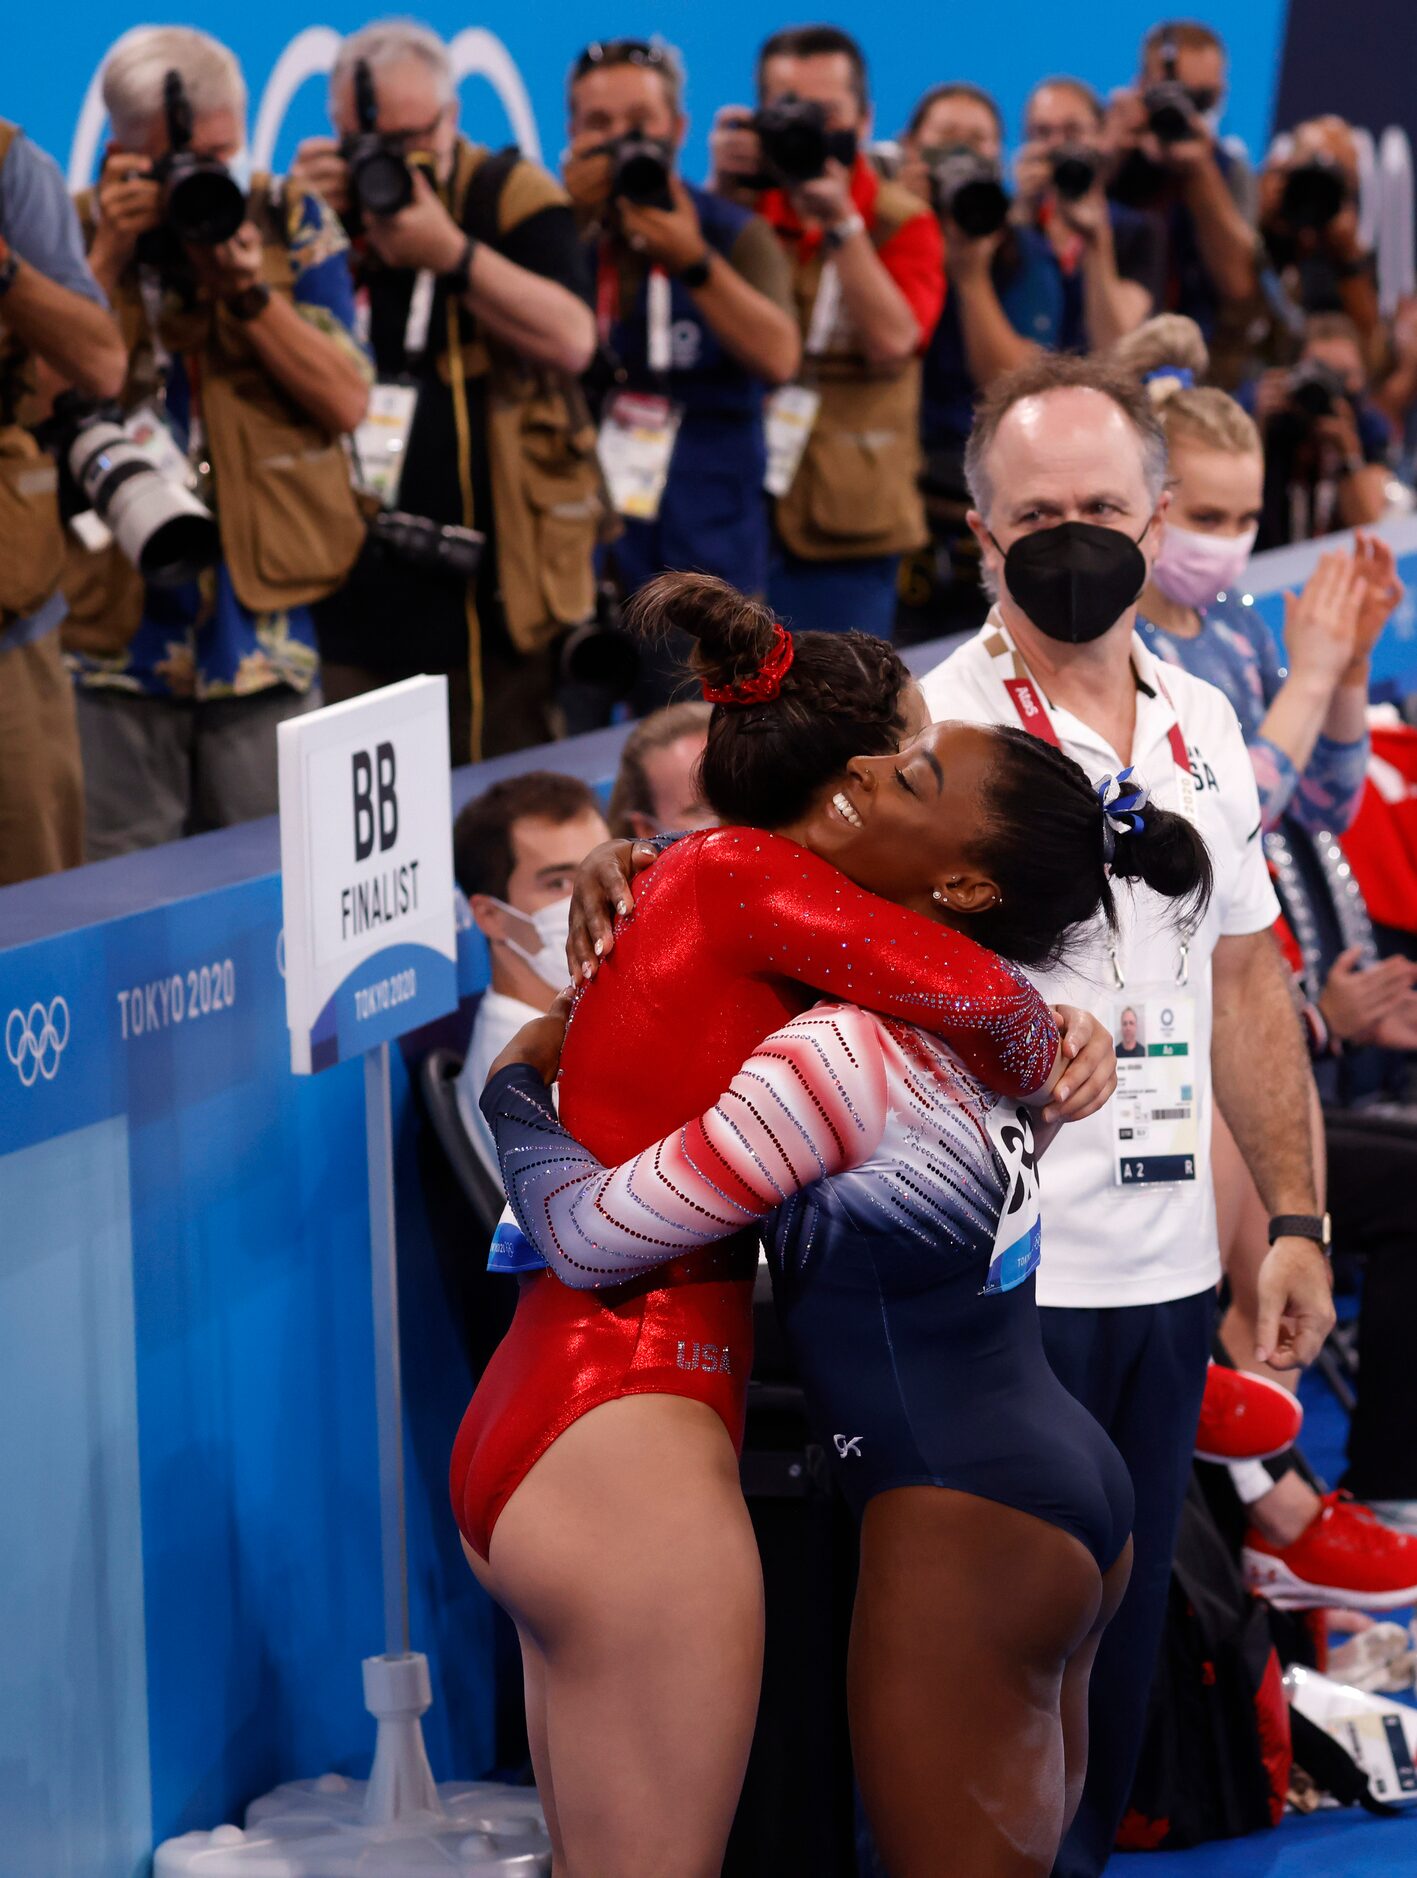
x: 237, y: 313
x: 53, y: 329
x: 1066, y: 270
x: 479, y: 321
x: 1308, y: 196
x: 696, y: 311
x: 1325, y: 445
x: 868, y: 276
x: 1168, y: 158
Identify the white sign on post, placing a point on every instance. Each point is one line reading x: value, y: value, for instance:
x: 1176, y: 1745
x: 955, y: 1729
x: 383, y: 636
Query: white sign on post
x: 366, y: 853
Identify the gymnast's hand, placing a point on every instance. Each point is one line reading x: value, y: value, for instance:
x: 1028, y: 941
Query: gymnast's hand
x: 538, y: 1044
x: 1087, y: 1069
x: 601, y: 891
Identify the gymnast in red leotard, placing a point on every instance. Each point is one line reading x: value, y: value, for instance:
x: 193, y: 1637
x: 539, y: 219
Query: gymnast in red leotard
x: 594, y: 1476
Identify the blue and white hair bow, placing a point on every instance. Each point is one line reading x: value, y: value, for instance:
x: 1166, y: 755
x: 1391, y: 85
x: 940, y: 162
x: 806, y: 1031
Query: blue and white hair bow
x: 1122, y: 798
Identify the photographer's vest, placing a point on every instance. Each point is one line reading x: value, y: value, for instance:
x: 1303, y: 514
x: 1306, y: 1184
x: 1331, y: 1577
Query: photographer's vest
x: 547, y: 494
x: 290, y: 526
x: 856, y: 492
x: 31, y: 533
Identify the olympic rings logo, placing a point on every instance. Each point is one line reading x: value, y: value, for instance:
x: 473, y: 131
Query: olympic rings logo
x: 35, y: 1041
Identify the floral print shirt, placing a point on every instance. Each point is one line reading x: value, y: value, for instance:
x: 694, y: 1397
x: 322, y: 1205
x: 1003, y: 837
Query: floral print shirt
x: 198, y: 641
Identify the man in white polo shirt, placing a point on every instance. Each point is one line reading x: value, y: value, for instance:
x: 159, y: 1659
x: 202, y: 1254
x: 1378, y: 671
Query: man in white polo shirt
x: 1067, y: 469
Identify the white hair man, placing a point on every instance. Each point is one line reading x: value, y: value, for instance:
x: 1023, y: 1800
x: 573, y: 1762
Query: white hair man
x: 510, y: 326
x: 1067, y: 469
x: 240, y: 327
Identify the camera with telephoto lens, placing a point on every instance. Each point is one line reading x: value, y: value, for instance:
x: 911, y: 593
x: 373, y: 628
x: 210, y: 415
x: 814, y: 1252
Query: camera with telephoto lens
x: 1171, y: 107
x: 1314, y: 193
x: 1075, y: 171
x: 796, y: 143
x: 202, y: 202
x: 968, y: 188
x: 640, y: 168
x: 380, y: 175
x: 600, y: 652
x: 159, y: 524
x: 1315, y: 389
x: 432, y: 547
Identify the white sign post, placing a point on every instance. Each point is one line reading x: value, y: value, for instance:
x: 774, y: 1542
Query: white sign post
x: 370, y: 952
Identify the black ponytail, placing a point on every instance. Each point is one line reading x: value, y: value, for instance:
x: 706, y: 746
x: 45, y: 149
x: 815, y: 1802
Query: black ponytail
x: 1043, y: 846
x: 842, y: 696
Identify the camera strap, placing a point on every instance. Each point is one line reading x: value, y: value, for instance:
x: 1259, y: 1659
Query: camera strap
x: 420, y: 313
x: 826, y: 313
x: 659, y: 351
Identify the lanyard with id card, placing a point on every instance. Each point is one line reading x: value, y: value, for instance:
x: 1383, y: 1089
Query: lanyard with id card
x: 638, y: 429
x: 790, y: 412
x: 1018, y: 1238
x: 380, y: 440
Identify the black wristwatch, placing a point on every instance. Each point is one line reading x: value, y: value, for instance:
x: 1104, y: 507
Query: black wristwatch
x: 250, y: 303
x: 459, y: 276
x: 696, y: 274
x: 1313, y: 1226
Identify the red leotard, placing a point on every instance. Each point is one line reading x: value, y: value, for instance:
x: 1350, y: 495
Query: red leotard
x: 734, y: 932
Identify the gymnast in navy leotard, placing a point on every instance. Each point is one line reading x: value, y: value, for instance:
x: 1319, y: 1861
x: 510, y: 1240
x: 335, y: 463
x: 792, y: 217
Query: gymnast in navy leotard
x: 898, y: 1198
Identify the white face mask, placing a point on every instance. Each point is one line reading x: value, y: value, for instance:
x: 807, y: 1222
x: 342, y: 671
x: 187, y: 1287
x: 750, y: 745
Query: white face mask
x: 1192, y: 569
x: 553, y: 926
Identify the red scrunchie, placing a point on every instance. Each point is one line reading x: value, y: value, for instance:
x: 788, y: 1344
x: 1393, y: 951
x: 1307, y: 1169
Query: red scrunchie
x: 761, y: 686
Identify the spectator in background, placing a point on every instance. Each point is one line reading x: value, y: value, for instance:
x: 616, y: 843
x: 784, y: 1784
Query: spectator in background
x: 516, y: 849
x: 1168, y: 158
x: 1308, y: 210
x: 249, y: 349
x: 1395, y: 394
x: 54, y: 330
x: 657, y: 789
x: 1066, y: 271
x: 868, y: 275
x: 1325, y: 443
x: 499, y: 438
x: 695, y: 307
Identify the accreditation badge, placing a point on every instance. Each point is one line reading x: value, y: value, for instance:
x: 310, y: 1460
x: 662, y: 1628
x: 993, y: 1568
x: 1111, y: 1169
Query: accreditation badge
x: 637, y: 437
x: 788, y: 417
x: 1018, y: 1240
x: 381, y: 440
x: 1154, y: 1112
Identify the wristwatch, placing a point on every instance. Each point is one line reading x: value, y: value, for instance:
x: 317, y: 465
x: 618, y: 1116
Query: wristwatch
x: 459, y: 276
x: 9, y: 266
x: 1313, y: 1226
x: 842, y: 231
x: 696, y: 274
x: 250, y: 302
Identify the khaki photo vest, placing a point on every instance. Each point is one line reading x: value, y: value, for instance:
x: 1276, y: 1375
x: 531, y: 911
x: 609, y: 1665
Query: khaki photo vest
x: 31, y: 532
x: 856, y: 492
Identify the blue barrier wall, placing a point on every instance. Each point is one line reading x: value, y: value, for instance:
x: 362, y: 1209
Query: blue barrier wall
x: 190, y: 1567
x: 908, y: 47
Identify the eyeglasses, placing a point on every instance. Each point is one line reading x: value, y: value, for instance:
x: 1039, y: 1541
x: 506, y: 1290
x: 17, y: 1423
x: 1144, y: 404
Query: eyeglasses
x: 605, y: 52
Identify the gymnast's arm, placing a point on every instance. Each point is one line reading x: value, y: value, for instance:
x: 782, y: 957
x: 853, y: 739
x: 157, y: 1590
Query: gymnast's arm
x: 809, y: 1102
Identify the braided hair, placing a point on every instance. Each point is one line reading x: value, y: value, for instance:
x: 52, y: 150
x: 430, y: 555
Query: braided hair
x: 842, y: 696
x: 1043, y: 846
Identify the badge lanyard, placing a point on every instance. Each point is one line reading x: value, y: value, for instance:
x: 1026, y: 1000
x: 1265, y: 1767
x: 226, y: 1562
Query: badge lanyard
x: 638, y: 430
x: 826, y: 313
x: 1033, y: 714
x: 659, y: 351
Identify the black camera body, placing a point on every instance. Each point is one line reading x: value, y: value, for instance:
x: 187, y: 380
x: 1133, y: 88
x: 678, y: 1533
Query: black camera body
x: 796, y: 143
x: 1316, y: 390
x: 1170, y: 111
x: 202, y: 202
x: 1076, y: 169
x: 432, y: 547
x: 640, y: 168
x: 380, y: 175
x: 968, y: 188
x: 1315, y: 191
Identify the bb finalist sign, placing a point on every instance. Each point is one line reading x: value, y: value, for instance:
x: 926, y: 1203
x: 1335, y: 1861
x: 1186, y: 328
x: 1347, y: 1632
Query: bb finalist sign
x: 366, y: 854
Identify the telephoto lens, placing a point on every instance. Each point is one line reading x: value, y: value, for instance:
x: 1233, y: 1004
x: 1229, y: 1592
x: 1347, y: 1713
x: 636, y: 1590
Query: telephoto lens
x: 1075, y: 171
x: 796, y: 144
x: 969, y: 189
x: 380, y: 179
x: 1314, y: 193
x: 436, y: 547
x: 640, y: 170
x: 168, y: 535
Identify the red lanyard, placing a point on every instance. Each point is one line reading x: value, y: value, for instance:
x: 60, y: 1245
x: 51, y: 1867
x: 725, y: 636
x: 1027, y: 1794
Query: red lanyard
x: 1033, y: 715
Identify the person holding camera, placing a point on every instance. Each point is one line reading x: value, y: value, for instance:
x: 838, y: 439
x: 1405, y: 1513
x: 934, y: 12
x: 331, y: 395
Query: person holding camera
x: 54, y: 330
x: 243, y: 375
x: 1168, y: 158
x: 1062, y: 269
x: 695, y: 313
x: 1325, y: 444
x: 868, y: 276
x: 470, y: 276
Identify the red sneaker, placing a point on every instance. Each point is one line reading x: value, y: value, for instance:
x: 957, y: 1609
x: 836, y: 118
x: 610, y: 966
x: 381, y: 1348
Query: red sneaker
x: 1245, y: 1417
x: 1346, y: 1557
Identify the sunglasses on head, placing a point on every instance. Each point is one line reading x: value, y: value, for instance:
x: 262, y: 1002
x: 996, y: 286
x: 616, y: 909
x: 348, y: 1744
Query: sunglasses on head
x: 605, y: 52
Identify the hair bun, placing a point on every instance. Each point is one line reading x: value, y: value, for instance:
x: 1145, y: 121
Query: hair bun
x: 733, y: 634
